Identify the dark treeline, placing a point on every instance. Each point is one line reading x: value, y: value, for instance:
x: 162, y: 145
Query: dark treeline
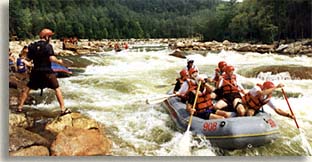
x: 250, y: 20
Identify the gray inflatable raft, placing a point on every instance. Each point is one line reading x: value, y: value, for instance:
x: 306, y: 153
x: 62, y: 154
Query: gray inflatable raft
x: 230, y: 133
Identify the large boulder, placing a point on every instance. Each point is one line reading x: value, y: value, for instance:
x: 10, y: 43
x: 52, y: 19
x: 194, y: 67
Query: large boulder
x: 20, y: 120
x: 178, y: 53
x: 31, y: 151
x: 20, y: 138
x: 80, y: 142
x: 75, y: 120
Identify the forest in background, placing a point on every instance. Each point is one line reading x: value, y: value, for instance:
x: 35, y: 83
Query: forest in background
x: 256, y: 21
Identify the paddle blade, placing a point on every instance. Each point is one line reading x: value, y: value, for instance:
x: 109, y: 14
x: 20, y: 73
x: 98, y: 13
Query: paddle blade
x: 183, y: 148
x: 305, y: 142
x: 159, y: 99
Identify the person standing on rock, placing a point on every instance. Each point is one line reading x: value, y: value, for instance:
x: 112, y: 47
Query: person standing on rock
x: 42, y: 76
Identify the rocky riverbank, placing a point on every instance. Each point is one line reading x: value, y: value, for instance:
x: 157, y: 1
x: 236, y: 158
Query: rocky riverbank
x: 36, y: 132
x: 303, y: 47
x: 84, y: 47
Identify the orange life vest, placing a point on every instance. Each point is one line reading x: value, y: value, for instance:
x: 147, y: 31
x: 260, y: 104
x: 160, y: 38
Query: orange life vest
x: 229, y: 84
x: 204, y: 101
x: 254, y: 102
x: 192, y: 85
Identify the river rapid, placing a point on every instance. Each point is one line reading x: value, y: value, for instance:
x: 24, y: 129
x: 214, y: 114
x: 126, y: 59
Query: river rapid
x: 114, y: 86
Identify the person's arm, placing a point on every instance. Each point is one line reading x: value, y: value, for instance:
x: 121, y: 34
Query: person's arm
x: 27, y: 63
x: 220, y: 82
x: 280, y: 111
x: 190, y: 102
x: 183, y: 89
x: 54, y: 59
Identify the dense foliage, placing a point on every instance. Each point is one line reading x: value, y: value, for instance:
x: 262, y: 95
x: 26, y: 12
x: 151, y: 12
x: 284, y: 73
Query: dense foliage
x: 250, y: 20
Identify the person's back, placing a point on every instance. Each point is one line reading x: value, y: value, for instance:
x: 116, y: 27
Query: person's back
x: 40, y: 53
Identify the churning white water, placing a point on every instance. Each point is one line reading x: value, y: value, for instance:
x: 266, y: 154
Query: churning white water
x: 114, y: 88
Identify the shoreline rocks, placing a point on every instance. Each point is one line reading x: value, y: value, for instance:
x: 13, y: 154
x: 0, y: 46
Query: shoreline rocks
x: 38, y: 133
x: 302, y: 47
x: 86, y: 47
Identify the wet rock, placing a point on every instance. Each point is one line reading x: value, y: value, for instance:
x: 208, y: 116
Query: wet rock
x: 178, y: 53
x: 59, y: 124
x: 295, y: 71
x: 31, y: 151
x: 80, y: 142
x: 75, y: 120
x: 20, y: 120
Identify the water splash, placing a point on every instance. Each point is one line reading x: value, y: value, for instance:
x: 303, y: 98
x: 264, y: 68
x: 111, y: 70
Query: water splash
x: 183, y: 148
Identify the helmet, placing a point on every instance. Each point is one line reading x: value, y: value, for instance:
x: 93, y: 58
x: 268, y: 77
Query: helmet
x: 268, y: 85
x: 229, y: 68
x: 183, y: 73
x: 222, y: 64
x: 45, y: 32
x: 189, y: 60
x: 192, y: 70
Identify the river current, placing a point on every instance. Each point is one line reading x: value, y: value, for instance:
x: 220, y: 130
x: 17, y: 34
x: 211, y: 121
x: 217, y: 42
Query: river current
x: 113, y: 89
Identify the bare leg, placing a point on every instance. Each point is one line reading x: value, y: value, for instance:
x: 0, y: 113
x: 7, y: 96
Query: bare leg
x: 215, y: 116
x: 220, y: 105
x: 225, y: 114
x: 59, y: 97
x: 23, y: 98
x: 250, y: 112
x: 239, y: 108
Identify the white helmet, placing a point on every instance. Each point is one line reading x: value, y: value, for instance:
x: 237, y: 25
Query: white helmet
x: 189, y: 60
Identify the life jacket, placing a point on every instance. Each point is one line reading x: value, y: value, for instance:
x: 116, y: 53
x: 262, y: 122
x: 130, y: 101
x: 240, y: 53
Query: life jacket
x: 204, y: 101
x: 191, y: 84
x: 21, y: 67
x: 229, y: 84
x: 255, y: 102
x: 216, y: 79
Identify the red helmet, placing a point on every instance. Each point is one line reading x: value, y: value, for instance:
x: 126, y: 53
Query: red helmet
x: 229, y: 68
x: 268, y: 85
x: 222, y: 64
x: 45, y: 32
x: 183, y: 73
x: 192, y: 70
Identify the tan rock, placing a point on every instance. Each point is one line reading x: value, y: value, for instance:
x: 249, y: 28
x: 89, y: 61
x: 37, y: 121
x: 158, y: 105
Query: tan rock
x: 31, y: 151
x: 80, y: 142
x: 59, y: 124
x: 19, y: 120
x: 21, y: 138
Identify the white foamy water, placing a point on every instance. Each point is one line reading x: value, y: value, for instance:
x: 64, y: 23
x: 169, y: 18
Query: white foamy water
x: 114, y: 88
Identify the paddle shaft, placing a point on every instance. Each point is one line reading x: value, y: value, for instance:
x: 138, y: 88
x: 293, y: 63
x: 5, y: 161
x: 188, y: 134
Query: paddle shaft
x: 284, y: 94
x: 194, y: 104
x: 159, y: 99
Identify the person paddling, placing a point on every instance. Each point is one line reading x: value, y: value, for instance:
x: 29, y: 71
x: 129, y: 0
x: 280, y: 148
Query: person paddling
x: 204, y: 107
x: 219, y: 71
x: 42, y: 76
x: 261, y: 95
x: 230, y: 92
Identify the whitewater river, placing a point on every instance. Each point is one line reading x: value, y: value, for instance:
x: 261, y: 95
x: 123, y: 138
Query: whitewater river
x: 114, y: 86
